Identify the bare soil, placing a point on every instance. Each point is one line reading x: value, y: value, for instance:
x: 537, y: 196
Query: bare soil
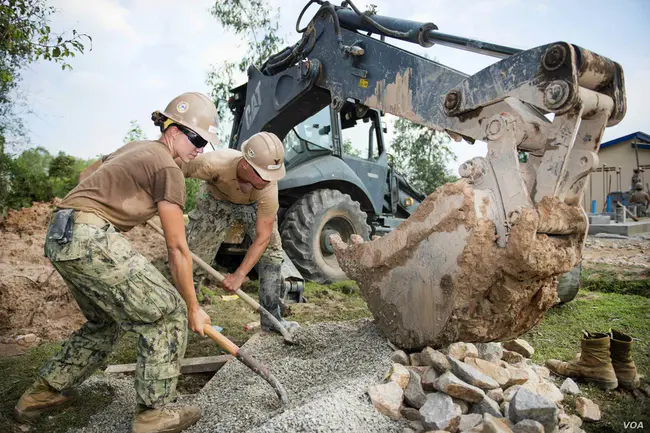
x: 33, y: 297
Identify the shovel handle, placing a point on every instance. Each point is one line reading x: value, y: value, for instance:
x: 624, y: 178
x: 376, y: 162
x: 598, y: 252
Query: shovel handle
x: 221, y: 340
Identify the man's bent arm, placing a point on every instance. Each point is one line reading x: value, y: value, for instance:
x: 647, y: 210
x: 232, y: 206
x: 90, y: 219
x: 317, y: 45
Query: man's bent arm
x: 263, y: 230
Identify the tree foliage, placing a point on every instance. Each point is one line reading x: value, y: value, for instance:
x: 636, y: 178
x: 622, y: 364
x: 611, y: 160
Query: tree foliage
x: 26, y: 37
x: 135, y: 133
x: 257, y: 24
x: 36, y: 175
x: 421, y: 155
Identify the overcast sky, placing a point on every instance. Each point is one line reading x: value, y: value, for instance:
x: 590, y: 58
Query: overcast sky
x: 145, y: 52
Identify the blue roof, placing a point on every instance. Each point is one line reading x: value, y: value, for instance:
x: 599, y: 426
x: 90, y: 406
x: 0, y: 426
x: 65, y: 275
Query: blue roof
x: 641, y: 136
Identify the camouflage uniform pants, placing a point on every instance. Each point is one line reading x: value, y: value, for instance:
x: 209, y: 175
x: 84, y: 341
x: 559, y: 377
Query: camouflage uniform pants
x: 209, y: 224
x: 118, y: 290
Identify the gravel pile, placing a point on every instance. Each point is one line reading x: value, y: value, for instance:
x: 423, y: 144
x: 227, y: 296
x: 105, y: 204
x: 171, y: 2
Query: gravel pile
x: 327, y: 375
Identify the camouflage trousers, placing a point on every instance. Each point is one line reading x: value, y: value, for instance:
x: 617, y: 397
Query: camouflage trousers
x: 118, y: 290
x: 209, y: 224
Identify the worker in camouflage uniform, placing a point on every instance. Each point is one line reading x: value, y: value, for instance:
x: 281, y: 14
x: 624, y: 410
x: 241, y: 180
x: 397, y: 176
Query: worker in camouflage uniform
x: 117, y: 289
x: 641, y: 199
x: 241, y: 187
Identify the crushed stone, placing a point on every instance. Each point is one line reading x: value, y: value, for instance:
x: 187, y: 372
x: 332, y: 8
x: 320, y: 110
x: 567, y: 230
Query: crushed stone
x: 326, y: 376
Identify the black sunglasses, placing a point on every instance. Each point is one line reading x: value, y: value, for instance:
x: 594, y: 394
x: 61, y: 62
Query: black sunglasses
x: 194, y: 138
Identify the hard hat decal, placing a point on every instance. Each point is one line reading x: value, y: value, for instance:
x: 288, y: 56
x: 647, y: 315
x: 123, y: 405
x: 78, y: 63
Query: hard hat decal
x: 212, y: 129
x: 274, y: 167
x: 250, y: 153
x: 182, y: 107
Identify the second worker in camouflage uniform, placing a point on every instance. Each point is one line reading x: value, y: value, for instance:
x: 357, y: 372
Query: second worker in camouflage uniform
x: 241, y: 187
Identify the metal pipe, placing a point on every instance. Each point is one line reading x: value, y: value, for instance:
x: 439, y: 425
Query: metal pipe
x: 472, y: 45
x: 424, y: 34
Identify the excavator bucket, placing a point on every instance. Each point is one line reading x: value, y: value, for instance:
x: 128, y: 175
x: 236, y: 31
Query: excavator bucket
x: 441, y: 277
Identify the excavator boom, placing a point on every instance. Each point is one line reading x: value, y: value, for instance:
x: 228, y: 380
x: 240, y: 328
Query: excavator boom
x: 479, y: 259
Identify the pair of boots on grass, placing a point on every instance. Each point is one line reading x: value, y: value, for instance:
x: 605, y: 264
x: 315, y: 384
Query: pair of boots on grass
x: 605, y: 360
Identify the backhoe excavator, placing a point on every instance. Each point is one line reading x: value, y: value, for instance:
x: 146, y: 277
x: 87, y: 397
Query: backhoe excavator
x: 479, y: 259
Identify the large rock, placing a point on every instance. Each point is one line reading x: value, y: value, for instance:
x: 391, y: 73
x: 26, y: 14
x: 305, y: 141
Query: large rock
x: 520, y: 346
x: 428, y: 379
x: 487, y: 405
x: 499, y: 374
x: 387, y: 399
x: 469, y: 421
x: 569, y: 387
x: 587, y: 409
x: 528, y: 426
x: 438, y: 413
x: 471, y: 375
x: 460, y: 351
x: 399, y: 374
x: 453, y: 386
x: 435, y: 359
x: 496, y: 395
x: 414, y: 394
x: 518, y: 376
x: 490, y: 352
x: 547, y: 389
x: 528, y: 405
x: 399, y: 357
x: 512, y: 357
x: 493, y: 424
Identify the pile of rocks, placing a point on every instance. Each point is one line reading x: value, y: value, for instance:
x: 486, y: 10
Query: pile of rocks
x: 487, y: 387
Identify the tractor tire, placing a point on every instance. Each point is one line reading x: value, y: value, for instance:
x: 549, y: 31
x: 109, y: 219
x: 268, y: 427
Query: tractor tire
x: 569, y: 284
x: 307, y: 225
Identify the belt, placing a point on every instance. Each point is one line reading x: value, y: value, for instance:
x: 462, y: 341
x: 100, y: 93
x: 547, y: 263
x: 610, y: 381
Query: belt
x: 89, y: 218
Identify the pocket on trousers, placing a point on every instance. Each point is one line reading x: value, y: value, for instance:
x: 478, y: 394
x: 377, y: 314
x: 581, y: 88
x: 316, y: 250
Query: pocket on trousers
x: 164, y: 371
x: 147, y: 299
x: 60, y: 253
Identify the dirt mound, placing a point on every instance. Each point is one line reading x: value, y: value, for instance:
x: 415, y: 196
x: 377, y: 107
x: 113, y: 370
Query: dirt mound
x: 33, y: 297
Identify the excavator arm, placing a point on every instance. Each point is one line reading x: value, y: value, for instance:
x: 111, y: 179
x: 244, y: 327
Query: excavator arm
x: 479, y: 259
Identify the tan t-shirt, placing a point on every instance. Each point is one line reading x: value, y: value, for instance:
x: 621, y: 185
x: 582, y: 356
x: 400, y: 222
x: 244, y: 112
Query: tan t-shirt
x: 219, y: 170
x: 127, y: 185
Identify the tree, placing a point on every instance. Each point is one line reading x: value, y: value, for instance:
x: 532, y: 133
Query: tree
x: 421, y: 155
x: 26, y: 38
x: 36, y: 175
x: 255, y: 21
x: 135, y: 133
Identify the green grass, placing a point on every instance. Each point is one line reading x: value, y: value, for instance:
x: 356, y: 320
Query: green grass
x: 558, y: 336
x: 334, y: 303
x: 612, y: 280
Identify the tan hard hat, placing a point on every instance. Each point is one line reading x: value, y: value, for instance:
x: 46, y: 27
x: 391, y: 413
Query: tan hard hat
x: 264, y: 151
x: 638, y: 186
x: 197, y: 112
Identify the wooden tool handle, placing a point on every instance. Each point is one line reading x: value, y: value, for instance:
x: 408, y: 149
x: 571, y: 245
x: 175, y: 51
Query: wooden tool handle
x: 221, y: 340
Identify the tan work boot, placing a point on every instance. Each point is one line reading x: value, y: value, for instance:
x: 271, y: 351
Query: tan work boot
x: 39, y: 398
x: 165, y: 420
x: 620, y: 348
x: 594, y: 364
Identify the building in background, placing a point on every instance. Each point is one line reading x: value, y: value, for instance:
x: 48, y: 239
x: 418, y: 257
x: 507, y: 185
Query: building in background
x: 618, y: 159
